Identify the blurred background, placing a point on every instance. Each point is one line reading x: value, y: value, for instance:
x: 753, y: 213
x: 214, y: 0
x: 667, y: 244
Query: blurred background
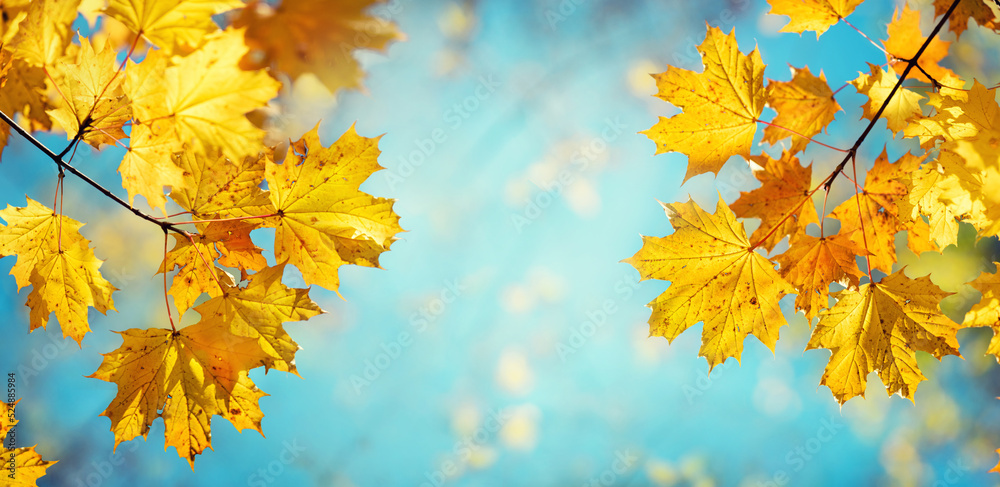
x: 504, y: 343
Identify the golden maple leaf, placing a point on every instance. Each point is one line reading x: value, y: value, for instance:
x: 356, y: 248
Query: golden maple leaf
x: 814, y: 15
x: 205, y: 94
x: 5, y: 417
x: 59, y: 264
x: 93, y: 102
x: 195, y: 258
x: 45, y: 33
x: 259, y: 310
x: 805, y: 104
x: 715, y: 277
x: 784, y: 190
x: 215, y: 187
x: 314, y: 36
x: 23, y: 92
x: 905, y: 40
x: 236, y: 248
x: 987, y: 311
x: 720, y: 105
x: 149, y: 164
x: 324, y: 220
x: 811, y: 264
x: 177, y: 26
x: 185, y: 377
x: 946, y: 193
x: 27, y: 467
x: 871, y: 218
x: 880, y: 327
x: 904, y: 105
x: 959, y: 20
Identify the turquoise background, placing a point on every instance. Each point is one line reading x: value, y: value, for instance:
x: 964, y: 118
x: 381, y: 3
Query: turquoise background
x: 538, y: 371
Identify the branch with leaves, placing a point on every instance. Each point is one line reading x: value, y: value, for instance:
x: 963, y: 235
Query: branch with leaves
x: 721, y: 277
x: 182, y: 98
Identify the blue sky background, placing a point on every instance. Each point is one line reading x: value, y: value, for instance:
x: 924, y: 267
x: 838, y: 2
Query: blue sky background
x: 539, y: 372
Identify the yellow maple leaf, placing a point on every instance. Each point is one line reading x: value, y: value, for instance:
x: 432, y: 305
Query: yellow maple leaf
x: 811, y: 264
x: 871, y: 218
x: 987, y: 311
x: 5, y: 418
x: 715, y: 277
x: 805, y: 104
x: 938, y: 191
x: 720, y: 105
x: 197, y: 272
x: 185, y: 377
x: 232, y: 240
x: 259, y: 310
x: 814, y: 15
x: 149, y: 164
x: 905, y: 40
x: 314, y: 36
x: 215, y: 187
x: 784, y: 186
x: 959, y: 20
x: 206, y: 95
x: 93, y: 102
x: 45, y: 33
x: 23, y: 92
x: 177, y: 26
x: 880, y: 327
x: 26, y: 469
x: 903, y: 106
x: 58, y: 263
x: 324, y: 220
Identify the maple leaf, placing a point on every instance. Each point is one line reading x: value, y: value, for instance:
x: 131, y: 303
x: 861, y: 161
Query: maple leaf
x: 206, y: 95
x: 871, y: 218
x: 811, y: 264
x: 784, y: 191
x: 93, y: 101
x: 259, y: 310
x: 215, y: 187
x: 149, y: 164
x: 905, y: 39
x: 805, y: 104
x: 716, y: 278
x: 720, y: 105
x: 314, y: 36
x: 903, y: 106
x: 58, y: 262
x: 27, y: 467
x: 938, y: 191
x: 24, y: 93
x: 185, y: 377
x: 43, y: 36
x: 232, y: 240
x: 5, y: 416
x: 324, y: 220
x: 198, y: 274
x: 814, y: 15
x: 987, y: 311
x: 881, y: 327
x: 177, y: 26
x: 974, y: 10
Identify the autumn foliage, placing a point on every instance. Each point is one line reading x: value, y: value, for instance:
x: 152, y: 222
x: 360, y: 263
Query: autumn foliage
x: 185, y: 102
x: 732, y: 283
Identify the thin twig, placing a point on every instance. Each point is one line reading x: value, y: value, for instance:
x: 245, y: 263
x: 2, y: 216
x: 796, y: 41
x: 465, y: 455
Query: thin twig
x: 909, y: 65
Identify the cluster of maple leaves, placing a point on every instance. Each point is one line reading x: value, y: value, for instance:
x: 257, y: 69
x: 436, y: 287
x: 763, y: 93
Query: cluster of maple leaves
x: 725, y: 279
x: 183, y: 98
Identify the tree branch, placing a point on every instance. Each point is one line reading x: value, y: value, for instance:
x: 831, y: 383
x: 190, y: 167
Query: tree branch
x: 63, y: 166
x: 909, y: 65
